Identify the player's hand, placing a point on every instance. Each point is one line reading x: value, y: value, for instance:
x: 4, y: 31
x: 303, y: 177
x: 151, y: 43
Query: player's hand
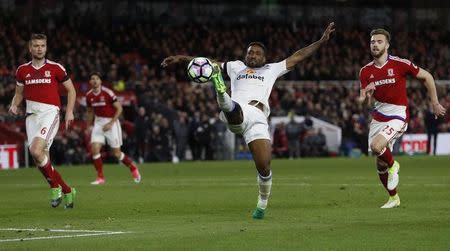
x: 13, y: 110
x: 438, y: 110
x: 367, y: 92
x: 107, y: 127
x: 69, y: 119
x: 326, y: 34
x: 170, y: 60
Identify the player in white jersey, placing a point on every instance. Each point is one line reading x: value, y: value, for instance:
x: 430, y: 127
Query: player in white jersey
x: 247, y: 110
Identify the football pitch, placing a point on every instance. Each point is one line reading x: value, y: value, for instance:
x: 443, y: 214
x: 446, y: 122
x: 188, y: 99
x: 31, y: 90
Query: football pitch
x: 316, y: 204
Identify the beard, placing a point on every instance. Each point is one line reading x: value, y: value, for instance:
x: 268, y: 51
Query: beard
x: 254, y: 64
x: 378, y: 54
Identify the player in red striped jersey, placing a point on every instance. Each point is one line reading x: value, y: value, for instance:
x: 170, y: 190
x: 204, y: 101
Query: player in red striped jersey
x: 37, y: 83
x: 384, y: 80
x: 104, y: 104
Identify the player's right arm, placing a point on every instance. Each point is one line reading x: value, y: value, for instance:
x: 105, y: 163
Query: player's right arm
x: 366, y: 89
x: 181, y: 58
x: 17, y: 99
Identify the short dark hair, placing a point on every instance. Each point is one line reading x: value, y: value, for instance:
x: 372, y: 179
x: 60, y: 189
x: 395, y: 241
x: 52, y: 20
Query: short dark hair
x: 95, y: 73
x: 37, y: 36
x: 382, y: 32
x: 260, y: 44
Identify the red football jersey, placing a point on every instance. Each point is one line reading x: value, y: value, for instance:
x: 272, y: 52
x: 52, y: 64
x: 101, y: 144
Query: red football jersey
x: 41, y: 84
x: 102, y: 102
x: 389, y: 80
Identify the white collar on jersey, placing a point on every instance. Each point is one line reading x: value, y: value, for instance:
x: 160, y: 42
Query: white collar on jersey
x: 381, y: 66
x: 37, y: 68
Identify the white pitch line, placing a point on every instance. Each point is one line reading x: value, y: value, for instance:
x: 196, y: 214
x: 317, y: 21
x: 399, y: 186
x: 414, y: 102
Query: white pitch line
x: 57, y: 230
x: 87, y: 233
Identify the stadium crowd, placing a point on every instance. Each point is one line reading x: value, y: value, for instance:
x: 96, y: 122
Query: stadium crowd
x: 172, y: 115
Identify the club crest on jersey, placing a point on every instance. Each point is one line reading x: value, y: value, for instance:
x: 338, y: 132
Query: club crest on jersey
x: 250, y: 71
x: 390, y: 72
x: 47, y: 74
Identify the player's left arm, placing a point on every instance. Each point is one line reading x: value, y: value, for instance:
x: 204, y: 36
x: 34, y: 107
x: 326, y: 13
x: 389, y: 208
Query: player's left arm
x: 307, y: 51
x: 116, y: 116
x: 71, y: 96
x: 428, y: 79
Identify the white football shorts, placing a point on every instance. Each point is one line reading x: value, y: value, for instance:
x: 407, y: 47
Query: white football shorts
x: 113, y: 136
x: 391, y: 130
x: 254, y: 126
x: 43, y: 124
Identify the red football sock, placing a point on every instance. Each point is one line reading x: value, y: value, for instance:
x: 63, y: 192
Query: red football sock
x: 47, y: 171
x: 64, y: 186
x: 128, y: 162
x: 386, y: 156
x: 98, y: 164
x: 383, y: 175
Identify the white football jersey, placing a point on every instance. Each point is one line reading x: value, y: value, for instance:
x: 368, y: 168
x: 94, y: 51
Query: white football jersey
x: 254, y: 83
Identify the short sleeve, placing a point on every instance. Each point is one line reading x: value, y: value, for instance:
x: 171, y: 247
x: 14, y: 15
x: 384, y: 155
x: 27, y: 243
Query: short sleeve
x: 61, y: 73
x: 110, y: 94
x: 362, y: 80
x: 233, y: 67
x: 279, y: 69
x: 411, y: 68
x: 19, y: 77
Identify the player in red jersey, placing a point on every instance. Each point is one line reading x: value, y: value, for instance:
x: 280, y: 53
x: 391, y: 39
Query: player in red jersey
x: 103, y: 103
x: 37, y: 83
x: 384, y: 80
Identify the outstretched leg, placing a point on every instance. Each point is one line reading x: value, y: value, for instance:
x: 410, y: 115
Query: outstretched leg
x: 231, y: 109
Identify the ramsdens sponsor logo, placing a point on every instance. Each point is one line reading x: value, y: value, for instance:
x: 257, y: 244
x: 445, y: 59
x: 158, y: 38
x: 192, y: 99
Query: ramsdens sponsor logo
x: 98, y: 104
x: 38, y: 81
x: 250, y: 76
x: 383, y: 82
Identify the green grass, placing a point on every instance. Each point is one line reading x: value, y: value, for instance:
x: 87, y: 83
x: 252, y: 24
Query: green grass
x: 316, y: 204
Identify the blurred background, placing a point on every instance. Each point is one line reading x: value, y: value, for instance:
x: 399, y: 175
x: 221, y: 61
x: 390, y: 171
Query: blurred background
x: 168, y: 118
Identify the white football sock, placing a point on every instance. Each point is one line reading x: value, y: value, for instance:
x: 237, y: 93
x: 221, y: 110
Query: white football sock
x: 225, y: 102
x: 265, y: 185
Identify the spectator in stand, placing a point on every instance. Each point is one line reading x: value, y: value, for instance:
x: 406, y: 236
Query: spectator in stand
x: 432, y: 128
x: 280, y: 143
x: 141, y: 133
x: 293, y: 130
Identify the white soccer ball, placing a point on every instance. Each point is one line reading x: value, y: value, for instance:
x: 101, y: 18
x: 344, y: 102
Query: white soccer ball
x: 200, y: 70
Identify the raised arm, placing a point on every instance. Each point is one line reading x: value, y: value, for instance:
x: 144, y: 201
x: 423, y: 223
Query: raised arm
x: 176, y: 59
x: 438, y: 109
x: 307, y: 51
x: 180, y: 59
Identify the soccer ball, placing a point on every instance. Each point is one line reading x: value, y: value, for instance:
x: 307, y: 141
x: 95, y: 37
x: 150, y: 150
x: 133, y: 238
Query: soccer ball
x: 200, y: 70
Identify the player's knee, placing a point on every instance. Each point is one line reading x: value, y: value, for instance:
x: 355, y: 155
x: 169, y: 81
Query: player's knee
x: 116, y: 154
x: 36, y: 152
x: 236, y: 116
x: 376, y: 148
x: 263, y: 165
